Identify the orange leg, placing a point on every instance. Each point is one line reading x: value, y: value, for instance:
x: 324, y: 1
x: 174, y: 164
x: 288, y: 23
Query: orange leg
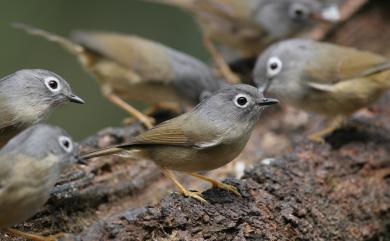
x: 220, y: 62
x: 181, y: 188
x: 148, y: 121
x: 216, y: 184
x: 334, y: 124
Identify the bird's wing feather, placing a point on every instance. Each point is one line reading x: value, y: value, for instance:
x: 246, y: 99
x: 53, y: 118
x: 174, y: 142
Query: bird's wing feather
x: 144, y: 57
x: 167, y: 132
x: 180, y: 131
x: 341, y: 64
x: 174, y: 132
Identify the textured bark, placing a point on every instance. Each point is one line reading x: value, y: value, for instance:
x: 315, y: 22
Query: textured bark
x: 313, y: 193
x: 305, y: 191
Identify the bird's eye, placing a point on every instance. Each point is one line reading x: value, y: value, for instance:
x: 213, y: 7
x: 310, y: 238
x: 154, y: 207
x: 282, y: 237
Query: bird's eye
x: 274, y: 66
x: 241, y: 100
x: 53, y: 84
x: 298, y: 11
x: 66, y: 143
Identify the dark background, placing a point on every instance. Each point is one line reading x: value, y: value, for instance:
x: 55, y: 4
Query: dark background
x: 19, y: 50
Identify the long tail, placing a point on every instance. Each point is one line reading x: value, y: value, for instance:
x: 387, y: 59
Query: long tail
x: 66, y: 43
x: 185, y: 4
x: 101, y: 152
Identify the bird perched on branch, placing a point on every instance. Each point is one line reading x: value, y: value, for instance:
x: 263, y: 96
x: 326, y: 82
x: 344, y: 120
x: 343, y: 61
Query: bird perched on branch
x: 248, y: 26
x: 128, y: 67
x: 30, y: 165
x: 210, y: 136
x: 323, y: 78
x: 27, y: 97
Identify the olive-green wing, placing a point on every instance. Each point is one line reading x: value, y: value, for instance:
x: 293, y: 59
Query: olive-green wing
x: 185, y: 130
x: 146, y: 58
x: 340, y: 64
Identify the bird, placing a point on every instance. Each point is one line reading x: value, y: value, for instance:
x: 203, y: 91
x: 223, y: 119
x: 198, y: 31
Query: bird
x: 246, y: 27
x: 30, y: 164
x: 128, y: 67
x: 331, y: 80
x: 27, y: 97
x: 208, y: 137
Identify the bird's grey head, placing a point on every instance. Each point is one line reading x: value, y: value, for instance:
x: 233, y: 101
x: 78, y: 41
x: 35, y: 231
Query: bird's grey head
x: 30, y: 94
x: 282, y: 18
x: 235, y: 104
x: 42, y: 140
x: 279, y: 69
x: 38, y: 85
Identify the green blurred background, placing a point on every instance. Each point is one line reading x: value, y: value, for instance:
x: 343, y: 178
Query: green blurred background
x: 19, y: 50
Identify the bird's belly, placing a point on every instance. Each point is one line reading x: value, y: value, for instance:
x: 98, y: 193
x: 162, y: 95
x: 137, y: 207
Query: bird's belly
x: 345, y: 101
x: 17, y: 203
x: 194, y: 160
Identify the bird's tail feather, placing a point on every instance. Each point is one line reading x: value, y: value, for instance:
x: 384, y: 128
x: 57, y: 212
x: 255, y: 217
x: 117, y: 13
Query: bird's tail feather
x: 185, y: 4
x: 102, y: 152
x: 64, y: 42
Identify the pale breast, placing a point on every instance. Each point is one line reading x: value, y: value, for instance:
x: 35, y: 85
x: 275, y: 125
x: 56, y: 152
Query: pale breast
x: 25, y: 188
x: 187, y: 159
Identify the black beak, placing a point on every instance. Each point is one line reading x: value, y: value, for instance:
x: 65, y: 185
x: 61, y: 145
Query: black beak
x: 75, y: 99
x: 267, y: 101
x: 80, y: 161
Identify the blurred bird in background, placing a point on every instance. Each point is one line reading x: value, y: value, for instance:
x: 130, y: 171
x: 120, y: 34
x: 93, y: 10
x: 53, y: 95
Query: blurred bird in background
x: 323, y: 78
x: 245, y: 27
x: 210, y: 136
x: 128, y: 67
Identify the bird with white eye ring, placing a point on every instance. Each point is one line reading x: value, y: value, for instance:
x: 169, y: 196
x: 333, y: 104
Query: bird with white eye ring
x: 210, y: 136
x: 323, y: 78
x: 66, y: 143
x: 30, y: 165
x: 27, y: 97
x: 241, y: 100
x: 131, y: 68
x: 246, y: 27
x: 53, y: 84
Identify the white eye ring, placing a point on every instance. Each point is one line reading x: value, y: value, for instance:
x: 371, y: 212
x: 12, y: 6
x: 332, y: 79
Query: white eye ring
x: 53, y: 84
x: 241, y: 100
x: 274, y: 66
x: 298, y: 11
x: 66, y: 143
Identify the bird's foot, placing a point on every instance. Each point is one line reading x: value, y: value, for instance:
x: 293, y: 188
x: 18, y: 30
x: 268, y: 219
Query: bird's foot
x: 332, y: 125
x: 317, y: 137
x: 227, y: 187
x: 196, y: 195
